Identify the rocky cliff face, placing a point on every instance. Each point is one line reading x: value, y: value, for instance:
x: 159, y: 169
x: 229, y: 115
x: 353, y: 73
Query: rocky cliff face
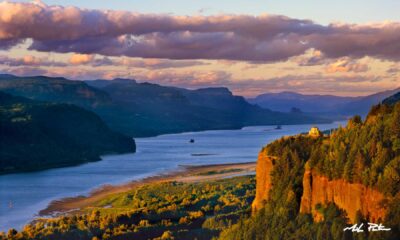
x: 351, y: 197
x: 263, y: 176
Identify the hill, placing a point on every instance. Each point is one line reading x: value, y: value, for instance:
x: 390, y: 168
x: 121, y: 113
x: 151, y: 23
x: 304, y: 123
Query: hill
x: 39, y: 135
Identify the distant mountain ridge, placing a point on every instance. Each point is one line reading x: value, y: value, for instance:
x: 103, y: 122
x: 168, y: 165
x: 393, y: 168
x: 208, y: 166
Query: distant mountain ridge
x: 145, y: 109
x: 54, y: 90
x: 284, y: 101
x: 347, y: 106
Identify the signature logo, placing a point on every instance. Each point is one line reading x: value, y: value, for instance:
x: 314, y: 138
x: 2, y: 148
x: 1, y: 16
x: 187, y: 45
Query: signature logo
x: 372, y: 227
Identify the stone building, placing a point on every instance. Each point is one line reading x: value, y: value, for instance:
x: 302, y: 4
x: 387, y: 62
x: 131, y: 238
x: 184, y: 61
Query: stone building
x: 315, y: 132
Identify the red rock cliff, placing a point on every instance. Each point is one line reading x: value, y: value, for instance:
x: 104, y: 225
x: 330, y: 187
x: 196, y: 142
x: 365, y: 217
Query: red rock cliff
x: 317, y: 189
x: 351, y: 197
x: 263, y: 179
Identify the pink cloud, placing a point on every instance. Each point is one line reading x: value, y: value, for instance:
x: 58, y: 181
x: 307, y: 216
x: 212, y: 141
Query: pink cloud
x: 29, y: 60
x: 346, y: 65
x: 229, y: 37
x: 78, y: 59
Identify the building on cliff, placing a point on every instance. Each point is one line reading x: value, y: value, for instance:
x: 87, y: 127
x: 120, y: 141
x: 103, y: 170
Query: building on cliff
x: 315, y: 132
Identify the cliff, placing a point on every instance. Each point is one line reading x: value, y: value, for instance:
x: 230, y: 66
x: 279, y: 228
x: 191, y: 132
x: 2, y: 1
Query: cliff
x: 351, y: 197
x: 263, y: 176
x: 318, y: 189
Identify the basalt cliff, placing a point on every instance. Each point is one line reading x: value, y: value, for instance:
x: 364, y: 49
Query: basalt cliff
x: 351, y: 197
x: 319, y: 190
x: 263, y: 183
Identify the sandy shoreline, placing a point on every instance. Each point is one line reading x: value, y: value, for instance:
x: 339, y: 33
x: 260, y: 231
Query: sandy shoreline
x: 184, y: 174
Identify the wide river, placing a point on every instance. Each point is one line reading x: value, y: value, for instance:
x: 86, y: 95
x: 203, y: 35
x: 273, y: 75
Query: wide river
x: 23, y: 195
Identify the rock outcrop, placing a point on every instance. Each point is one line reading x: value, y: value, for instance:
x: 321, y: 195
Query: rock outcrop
x: 263, y: 175
x: 351, y: 197
x: 317, y: 189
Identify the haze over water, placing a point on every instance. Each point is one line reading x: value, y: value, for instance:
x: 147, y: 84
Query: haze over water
x: 24, y: 195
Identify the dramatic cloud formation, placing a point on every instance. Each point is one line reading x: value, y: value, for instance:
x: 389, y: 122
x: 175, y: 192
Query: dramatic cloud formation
x: 232, y: 37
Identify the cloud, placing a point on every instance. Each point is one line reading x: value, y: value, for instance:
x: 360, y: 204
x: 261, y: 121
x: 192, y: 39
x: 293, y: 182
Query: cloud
x: 346, y: 65
x: 311, y: 58
x: 310, y: 84
x: 266, y: 38
x: 78, y: 59
x: 189, y: 79
x: 394, y: 69
x: 29, y: 60
x: 153, y: 63
x: 24, y: 71
x: 93, y: 61
x: 150, y: 63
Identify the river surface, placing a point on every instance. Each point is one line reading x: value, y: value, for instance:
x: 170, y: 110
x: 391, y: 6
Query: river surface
x: 23, y: 195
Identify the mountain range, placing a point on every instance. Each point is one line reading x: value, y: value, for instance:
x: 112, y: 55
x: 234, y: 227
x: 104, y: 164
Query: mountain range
x: 145, y: 109
x: 327, y: 105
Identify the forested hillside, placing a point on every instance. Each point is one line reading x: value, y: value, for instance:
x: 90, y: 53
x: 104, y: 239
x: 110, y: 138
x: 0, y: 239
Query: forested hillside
x: 363, y: 157
x: 39, y: 135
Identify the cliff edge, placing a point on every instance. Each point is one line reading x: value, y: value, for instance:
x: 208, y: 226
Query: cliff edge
x: 264, y: 168
x: 351, y: 197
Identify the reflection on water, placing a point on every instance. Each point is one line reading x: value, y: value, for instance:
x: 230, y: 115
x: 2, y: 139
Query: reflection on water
x: 23, y: 195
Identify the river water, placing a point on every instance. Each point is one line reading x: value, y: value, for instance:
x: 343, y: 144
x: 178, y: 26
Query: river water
x: 23, y: 195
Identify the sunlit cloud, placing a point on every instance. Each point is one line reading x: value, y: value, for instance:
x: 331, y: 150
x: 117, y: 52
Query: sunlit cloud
x: 346, y: 65
x: 78, y: 59
x: 230, y: 37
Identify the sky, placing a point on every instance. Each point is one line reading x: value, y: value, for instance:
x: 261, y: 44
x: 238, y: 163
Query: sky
x: 347, y: 48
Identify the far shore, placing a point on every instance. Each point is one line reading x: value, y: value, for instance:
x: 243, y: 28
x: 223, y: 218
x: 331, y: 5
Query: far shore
x: 186, y: 173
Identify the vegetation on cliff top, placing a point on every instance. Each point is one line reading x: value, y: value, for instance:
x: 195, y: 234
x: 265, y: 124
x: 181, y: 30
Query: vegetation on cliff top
x: 366, y: 152
x: 39, y: 135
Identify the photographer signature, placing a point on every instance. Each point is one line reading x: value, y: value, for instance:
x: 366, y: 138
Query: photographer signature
x: 372, y: 227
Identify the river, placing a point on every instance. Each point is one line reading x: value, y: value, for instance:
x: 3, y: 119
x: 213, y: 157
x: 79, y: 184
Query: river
x: 24, y: 195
